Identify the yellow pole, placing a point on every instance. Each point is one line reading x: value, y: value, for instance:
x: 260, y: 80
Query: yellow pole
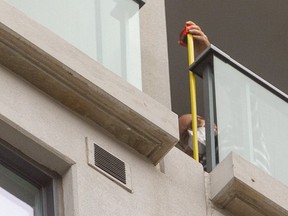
x: 192, y: 80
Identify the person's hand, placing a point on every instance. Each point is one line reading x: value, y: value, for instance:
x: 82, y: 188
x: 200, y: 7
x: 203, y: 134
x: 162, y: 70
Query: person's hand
x: 201, y: 41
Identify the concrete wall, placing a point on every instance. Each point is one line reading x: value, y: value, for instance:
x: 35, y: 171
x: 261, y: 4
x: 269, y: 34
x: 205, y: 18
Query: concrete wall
x: 52, y: 134
x: 86, y: 191
x: 154, y: 51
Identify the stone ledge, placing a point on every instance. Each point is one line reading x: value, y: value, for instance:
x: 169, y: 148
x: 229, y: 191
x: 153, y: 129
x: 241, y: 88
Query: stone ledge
x: 33, y: 147
x: 85, y: 86
x: 243, y: 189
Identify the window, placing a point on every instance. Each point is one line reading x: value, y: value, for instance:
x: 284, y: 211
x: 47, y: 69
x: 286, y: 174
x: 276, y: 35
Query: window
x: 106, y: 30
x: 25, y: 188
x: 18, y: 196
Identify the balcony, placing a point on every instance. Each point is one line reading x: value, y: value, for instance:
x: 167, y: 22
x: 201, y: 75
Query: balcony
x: 91, y: 27
x: 252, y: 118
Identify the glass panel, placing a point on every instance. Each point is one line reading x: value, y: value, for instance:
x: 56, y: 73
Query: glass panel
x: 106, y: 30
x: 251, y: 120
x: 17, y: 196
x: 11, y: 205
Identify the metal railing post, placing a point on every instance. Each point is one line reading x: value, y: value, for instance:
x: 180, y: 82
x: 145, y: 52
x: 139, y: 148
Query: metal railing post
x: 208, y: 93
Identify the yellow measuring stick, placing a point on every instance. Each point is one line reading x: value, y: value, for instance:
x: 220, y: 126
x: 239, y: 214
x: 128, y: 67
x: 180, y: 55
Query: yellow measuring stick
x: 192, y: 80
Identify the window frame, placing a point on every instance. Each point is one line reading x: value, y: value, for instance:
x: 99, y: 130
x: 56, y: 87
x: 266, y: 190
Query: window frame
x: 32, y: 172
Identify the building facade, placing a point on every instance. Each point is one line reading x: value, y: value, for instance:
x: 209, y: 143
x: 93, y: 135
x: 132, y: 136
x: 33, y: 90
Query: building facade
x: 80, y: 137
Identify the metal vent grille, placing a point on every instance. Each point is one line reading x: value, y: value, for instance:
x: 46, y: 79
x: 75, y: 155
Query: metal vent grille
x: 109, y: 163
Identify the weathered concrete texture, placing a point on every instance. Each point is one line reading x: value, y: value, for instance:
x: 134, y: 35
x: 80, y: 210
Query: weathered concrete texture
x: 55, y: 138
x: 178, y: 191
x: 86, y: 87
x: 243, y: 189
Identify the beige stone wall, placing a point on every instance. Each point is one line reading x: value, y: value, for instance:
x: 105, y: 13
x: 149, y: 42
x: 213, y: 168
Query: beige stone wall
x: 36, y: 120
x: 54, y: 135
x: 60, y: 132
x: 155, y: 68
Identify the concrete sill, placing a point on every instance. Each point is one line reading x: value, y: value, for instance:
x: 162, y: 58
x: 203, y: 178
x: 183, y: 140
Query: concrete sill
x: 85, y: 86
x: 243, y: 189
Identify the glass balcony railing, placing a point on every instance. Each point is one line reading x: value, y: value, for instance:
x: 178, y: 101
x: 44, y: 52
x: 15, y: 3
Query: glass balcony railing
x: 106, y: 30
x: 251, y: 114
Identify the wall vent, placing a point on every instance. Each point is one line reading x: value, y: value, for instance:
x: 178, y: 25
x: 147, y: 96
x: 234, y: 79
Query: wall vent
x: 109, y: 165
